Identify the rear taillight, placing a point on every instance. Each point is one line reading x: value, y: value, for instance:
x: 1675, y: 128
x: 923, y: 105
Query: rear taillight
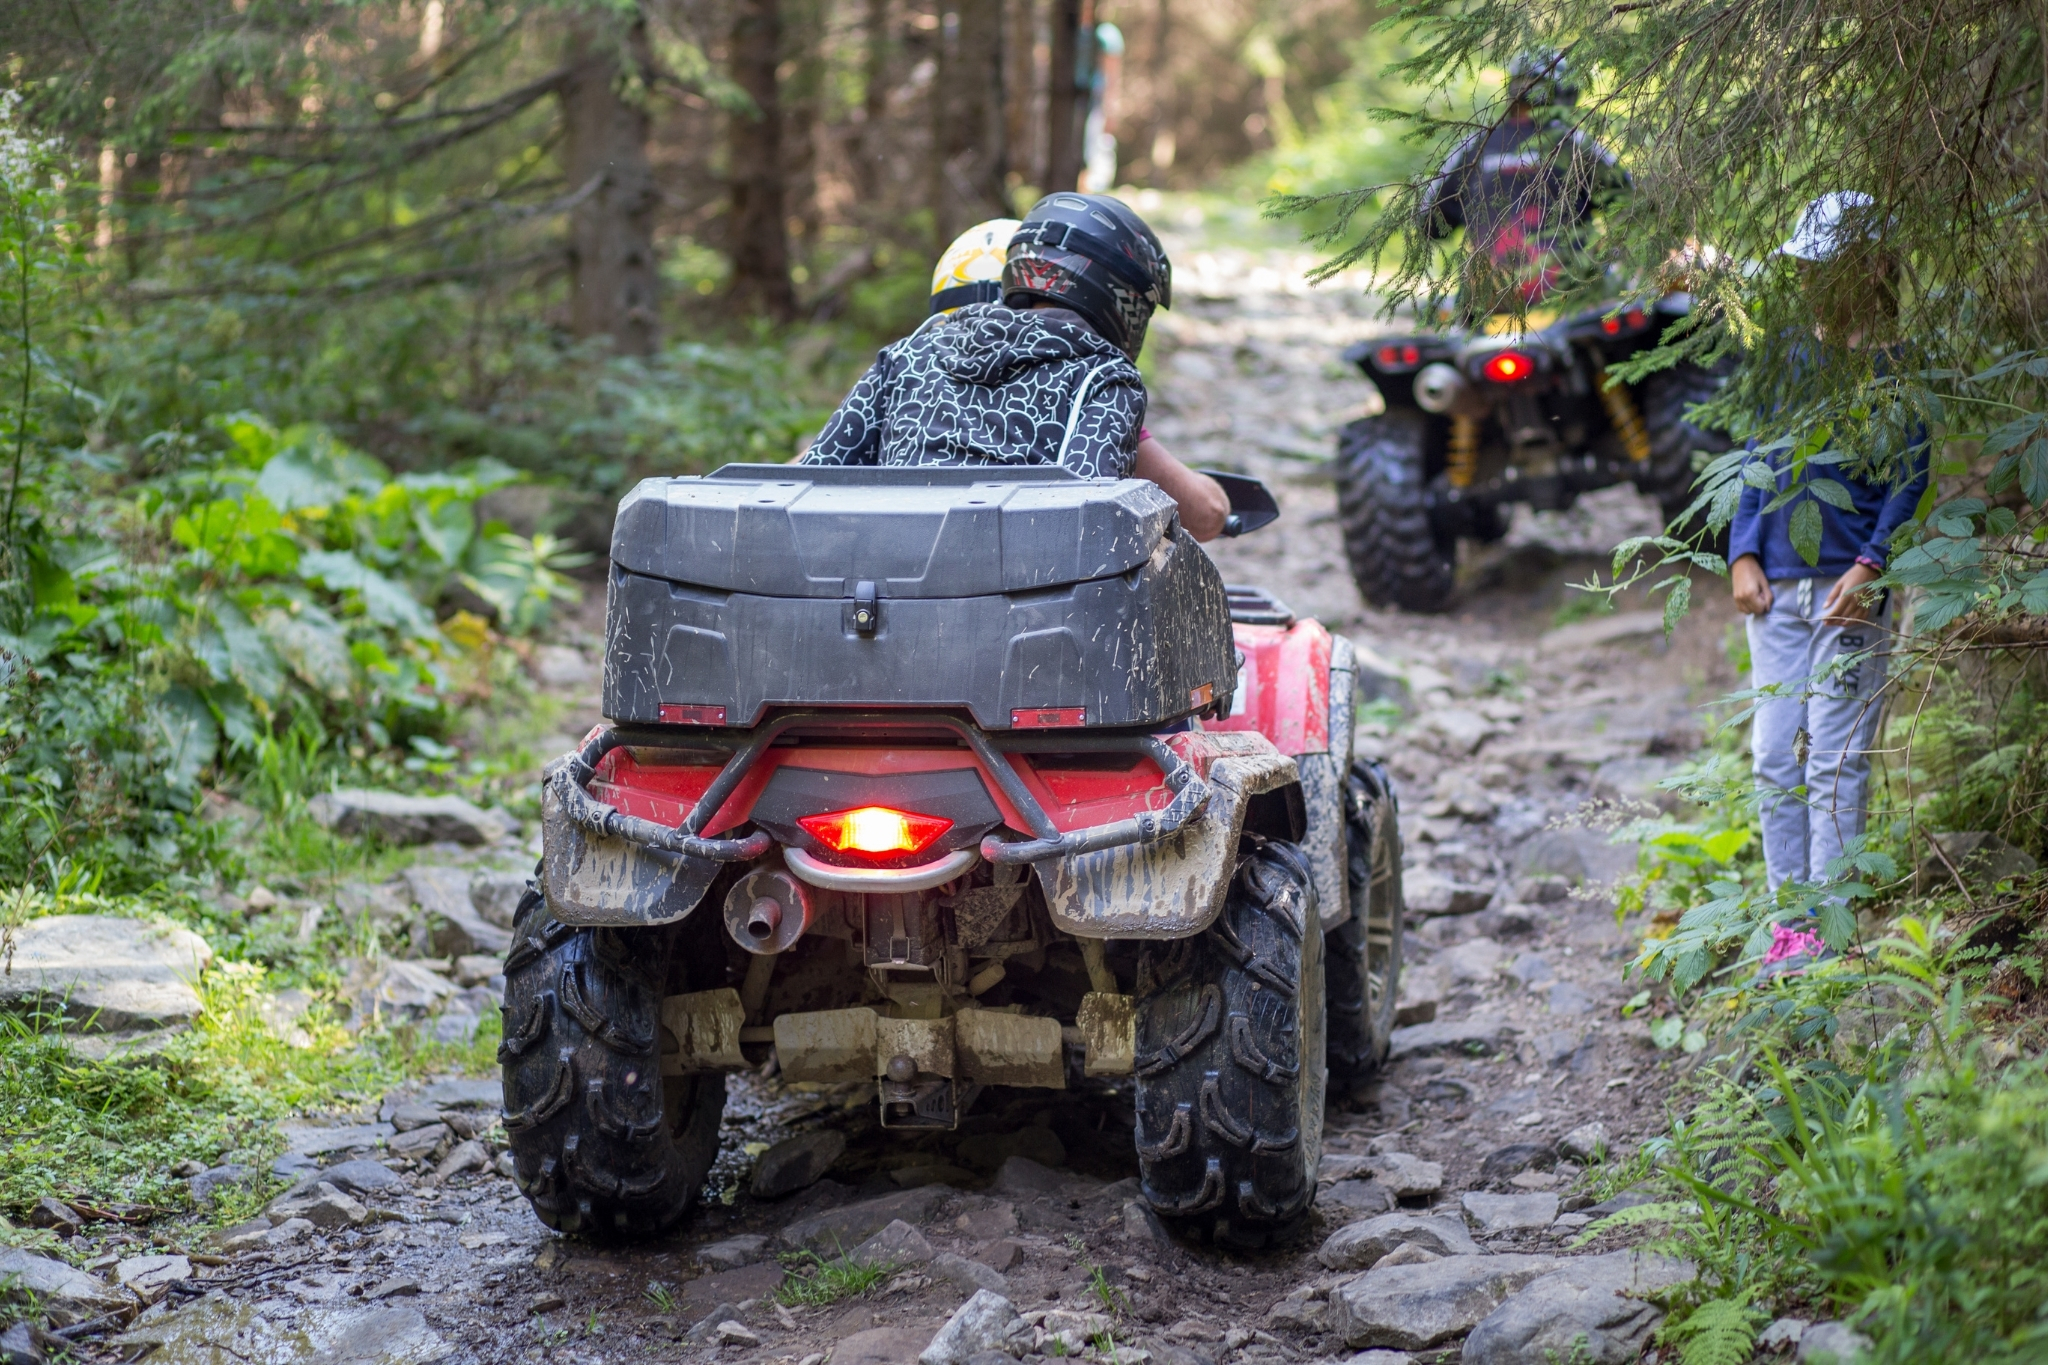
x: 1508, y: 367
x: 1399, y: 357
x: 875, y: 831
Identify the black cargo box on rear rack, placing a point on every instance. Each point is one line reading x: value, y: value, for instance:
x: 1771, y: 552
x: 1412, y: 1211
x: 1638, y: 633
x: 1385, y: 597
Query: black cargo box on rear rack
x: 1026, y: 596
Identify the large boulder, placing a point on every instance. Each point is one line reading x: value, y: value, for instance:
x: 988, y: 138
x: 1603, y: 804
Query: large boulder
x: 65, y: 1295
x: 394, y: 992
x: 1410, y: 1307
x: 496, y: 895
x: 1361, y: 1245
x: 1459, y: 1037
x: 453, y: 925
x: 986, y: 1322
x: 796, y: 1162
x: 830, y: 1233
x: 398, y: 818
x: 1498, y: 1213
x: 1593, y: 1310
x: 125, y: 978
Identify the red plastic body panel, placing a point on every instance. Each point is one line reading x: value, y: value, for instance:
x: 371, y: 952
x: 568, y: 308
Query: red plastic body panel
x: 1283, y: 689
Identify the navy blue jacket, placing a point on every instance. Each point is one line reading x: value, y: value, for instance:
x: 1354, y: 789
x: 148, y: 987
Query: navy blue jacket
x: 1845, y: 536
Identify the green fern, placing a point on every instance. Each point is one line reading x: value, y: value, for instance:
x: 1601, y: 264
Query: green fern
x: 1667, y: 1211
x: 1718, y: 1332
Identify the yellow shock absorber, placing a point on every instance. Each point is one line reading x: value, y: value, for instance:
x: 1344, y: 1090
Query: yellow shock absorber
x: 1464, y: 454
x: 1622, y: 411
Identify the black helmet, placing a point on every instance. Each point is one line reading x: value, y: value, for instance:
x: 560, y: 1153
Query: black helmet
x: 1090, y: 253
x: 1541, y: 76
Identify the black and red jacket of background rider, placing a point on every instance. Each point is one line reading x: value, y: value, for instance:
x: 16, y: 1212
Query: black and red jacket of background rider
x: 1521, y: 190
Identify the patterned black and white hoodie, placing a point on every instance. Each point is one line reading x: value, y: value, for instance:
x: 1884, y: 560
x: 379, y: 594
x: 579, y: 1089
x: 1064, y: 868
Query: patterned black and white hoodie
x: 993, y: 385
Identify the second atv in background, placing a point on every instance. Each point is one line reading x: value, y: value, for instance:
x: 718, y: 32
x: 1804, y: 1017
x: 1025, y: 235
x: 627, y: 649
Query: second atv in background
x: 1476, y: 423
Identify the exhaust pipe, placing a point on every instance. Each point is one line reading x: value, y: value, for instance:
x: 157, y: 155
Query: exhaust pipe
x: 767, y: 911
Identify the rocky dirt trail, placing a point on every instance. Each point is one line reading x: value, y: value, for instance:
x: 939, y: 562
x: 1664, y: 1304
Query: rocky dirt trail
x: 1452, y: 1183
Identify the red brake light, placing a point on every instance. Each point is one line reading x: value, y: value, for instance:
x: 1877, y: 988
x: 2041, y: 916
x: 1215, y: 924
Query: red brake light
x: 1611, y: 326
x: 1399, y: 357
x: 1509, y: 366
x: 876, y: 831
x: 1636, y: 317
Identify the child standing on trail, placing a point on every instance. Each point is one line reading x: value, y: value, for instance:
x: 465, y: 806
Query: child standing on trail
x: 1817, y: 734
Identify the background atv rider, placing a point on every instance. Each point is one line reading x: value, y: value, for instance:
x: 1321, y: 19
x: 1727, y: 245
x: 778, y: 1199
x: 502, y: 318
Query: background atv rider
x: 1521, y: 190
x: 1046, y: 376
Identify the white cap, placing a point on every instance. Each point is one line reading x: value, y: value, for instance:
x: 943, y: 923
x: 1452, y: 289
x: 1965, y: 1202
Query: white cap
x: 1821, y: 232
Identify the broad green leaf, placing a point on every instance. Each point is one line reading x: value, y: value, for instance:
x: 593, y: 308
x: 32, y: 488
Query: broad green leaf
x: 1675, y: 605
x: 2034, y: 594
x: 250, y: 660
x: 2034, y: 473
x: 1666, y: 1032
x: 445, y: 527
x: 290, y: 482
x: 186, y: 735
x: 1832, y: 493
x: 1837, y: 924
x: 210, y: 527
x: 269, y: 555
x: 384, y: 601
x: 315, y: 646
x: 2013, y: 434
x: 1805, y: 531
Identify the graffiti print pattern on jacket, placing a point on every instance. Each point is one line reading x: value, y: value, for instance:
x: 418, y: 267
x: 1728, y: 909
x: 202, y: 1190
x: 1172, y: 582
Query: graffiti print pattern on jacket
x: 993, y: 385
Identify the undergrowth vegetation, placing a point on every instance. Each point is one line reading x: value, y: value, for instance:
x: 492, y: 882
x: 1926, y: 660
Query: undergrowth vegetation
x: 109, y: 1133
x: 1866, y: 1140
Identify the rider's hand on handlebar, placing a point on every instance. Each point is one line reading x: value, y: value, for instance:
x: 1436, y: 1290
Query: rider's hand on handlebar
x: 1203, y: 506
x: 1752, y: 589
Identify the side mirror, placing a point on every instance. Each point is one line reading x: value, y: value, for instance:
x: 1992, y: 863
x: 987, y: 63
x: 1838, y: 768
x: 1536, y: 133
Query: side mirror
x: 1251, y: 506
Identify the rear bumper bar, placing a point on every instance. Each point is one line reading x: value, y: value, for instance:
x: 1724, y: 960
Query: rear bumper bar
x: 568, y: 782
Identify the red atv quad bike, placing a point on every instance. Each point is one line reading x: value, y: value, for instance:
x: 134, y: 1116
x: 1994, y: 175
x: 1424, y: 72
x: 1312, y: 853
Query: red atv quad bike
x: 933, y: 779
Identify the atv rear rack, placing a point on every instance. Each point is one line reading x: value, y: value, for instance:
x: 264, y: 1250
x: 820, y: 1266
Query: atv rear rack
x: 569, y: 782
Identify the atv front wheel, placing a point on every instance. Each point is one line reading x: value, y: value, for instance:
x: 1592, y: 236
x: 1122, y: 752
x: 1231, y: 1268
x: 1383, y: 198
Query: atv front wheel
x: 1230, y: 1065
x: 1665, y: 397
x: 602, y: 1143
x: 1398, y: 557
x: 1364, y: 952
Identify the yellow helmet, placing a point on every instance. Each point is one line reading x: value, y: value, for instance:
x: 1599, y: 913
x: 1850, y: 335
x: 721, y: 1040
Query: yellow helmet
x: 971, y: 271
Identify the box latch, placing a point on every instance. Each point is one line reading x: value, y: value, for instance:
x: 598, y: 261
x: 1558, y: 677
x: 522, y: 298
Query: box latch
x: 864, y: 612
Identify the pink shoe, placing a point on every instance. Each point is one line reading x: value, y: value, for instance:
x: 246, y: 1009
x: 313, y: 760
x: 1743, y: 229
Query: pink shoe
x: 1792, y: 952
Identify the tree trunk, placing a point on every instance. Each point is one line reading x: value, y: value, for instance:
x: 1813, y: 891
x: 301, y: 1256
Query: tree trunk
x: 615, y: 286
x: 758, y: 235
x: 873, y: 144
x: 1020, y: 38
x: 1066, y: 105
x: 967, y: 121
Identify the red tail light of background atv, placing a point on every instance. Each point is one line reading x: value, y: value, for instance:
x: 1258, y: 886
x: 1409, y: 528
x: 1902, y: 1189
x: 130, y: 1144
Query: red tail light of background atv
x: 875, y: 831
x: 1508, y: 367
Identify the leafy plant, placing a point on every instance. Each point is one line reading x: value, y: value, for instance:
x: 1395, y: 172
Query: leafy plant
x: 815, y: 1281
x: 1717, y: 1332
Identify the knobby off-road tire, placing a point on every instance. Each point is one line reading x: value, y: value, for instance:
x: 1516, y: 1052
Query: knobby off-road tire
x: 1397, y: 557
x: 1230, y: 1067
x: 1665, y: 397
x: 602, y: 1143
x: 1363, y: 954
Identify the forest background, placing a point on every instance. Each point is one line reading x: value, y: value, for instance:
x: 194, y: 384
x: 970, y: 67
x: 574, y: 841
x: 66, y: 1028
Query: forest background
x: 335, y: 330
x: 329, y: 333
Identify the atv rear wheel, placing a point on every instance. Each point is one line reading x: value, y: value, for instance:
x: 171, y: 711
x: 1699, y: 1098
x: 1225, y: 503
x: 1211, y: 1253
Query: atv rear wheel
x: 1230, y: 1067
x: 1363, y: 965
x: 1665, y: 397
x: 602, y: 1143
x: 1398, y: 557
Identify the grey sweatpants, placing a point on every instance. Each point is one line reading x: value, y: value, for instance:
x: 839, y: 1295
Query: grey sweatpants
x: 1818, y: 733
